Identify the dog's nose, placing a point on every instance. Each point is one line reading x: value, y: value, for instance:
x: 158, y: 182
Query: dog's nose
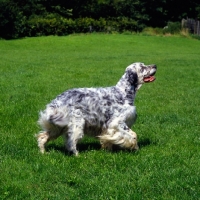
x: 154, y: 66
x: 136, y: 147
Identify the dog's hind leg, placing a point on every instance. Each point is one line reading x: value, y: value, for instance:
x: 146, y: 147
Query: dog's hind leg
x: 50, y: 131
x: 42, y: 139
x: 75, y: 131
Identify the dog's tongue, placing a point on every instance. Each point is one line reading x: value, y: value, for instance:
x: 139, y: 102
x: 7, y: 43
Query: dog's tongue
x: 149, y: 79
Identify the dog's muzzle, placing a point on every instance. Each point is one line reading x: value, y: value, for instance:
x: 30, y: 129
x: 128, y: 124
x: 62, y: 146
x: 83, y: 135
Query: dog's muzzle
x: 150, y: 77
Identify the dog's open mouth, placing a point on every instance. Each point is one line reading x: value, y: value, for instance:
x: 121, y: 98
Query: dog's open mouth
x: 149, y: 79
x: 151, y: 76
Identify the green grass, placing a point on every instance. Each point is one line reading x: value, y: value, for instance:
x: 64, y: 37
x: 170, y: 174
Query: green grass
x: 167, y: 166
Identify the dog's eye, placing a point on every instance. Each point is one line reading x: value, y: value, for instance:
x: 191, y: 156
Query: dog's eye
x: 142, y: 69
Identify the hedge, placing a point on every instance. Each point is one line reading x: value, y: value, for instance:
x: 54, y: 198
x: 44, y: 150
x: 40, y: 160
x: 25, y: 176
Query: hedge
x: 57, y: 25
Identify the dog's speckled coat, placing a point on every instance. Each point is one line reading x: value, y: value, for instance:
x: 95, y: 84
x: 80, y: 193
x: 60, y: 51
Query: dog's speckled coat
x: 107, y: 113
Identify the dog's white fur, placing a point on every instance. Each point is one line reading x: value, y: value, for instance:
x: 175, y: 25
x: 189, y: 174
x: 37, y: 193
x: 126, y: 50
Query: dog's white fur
x: 107, y: 113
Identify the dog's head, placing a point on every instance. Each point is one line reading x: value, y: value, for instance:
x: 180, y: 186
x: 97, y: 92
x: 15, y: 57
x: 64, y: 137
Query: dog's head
x: 138, y: 73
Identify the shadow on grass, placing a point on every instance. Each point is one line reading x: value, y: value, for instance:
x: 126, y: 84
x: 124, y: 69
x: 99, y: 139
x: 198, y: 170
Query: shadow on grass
x: 82, y: 147
x: 87, y: 146
x: 141, y: 144
x: 144, y: 142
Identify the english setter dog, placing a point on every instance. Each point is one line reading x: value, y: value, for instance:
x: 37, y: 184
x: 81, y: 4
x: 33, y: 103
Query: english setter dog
x: 107, y: 112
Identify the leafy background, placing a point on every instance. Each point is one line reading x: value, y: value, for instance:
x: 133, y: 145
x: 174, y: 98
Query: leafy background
x: 55, y: 17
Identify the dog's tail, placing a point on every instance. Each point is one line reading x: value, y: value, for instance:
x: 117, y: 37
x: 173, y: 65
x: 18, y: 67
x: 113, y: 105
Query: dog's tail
x: 53, y: 119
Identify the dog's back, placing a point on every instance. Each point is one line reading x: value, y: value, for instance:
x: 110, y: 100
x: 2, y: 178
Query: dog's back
x: 96, y: 105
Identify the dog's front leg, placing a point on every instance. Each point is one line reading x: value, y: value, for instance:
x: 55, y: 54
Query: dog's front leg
x: 104, y: 141
x: 129, y: 115
x: 118, y: 133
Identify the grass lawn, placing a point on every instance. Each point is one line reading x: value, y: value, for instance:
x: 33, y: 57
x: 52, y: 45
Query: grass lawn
x: 35, y: 70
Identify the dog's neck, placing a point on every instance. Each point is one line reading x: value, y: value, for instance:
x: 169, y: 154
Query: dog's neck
x: 128, y: 88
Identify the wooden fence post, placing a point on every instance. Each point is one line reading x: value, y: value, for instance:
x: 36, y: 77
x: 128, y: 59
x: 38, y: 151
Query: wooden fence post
x: 192, y: 25
x: 198, y: 28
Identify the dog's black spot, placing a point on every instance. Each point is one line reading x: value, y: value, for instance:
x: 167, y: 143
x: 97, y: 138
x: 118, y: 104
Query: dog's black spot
x: 106, y: 97
x: 80, y: 97
x: 130, y: 96
x: 101, y: 123
x: 132, y: 77
x: 109, y: 103
x: 126, y: 128
x: 55, y: 118
x: 118, y: 96
x: 108, y: 115
x: 142, y: 69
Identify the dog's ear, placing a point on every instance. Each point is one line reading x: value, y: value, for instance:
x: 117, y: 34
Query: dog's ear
x: 132, y: 77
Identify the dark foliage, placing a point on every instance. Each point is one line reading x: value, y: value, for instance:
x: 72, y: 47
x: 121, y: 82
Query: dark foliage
x: 57, y: 17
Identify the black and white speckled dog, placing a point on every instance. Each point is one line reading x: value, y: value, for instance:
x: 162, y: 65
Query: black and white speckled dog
x: 104, y: 112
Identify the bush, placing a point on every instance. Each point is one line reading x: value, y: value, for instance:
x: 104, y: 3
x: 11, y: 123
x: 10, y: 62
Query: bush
x: 195, y: 36
x: 54, y: 24
x: 125, y: 24
x: 12, y: 20
x: 172, y: 27
x: 84, y: 25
